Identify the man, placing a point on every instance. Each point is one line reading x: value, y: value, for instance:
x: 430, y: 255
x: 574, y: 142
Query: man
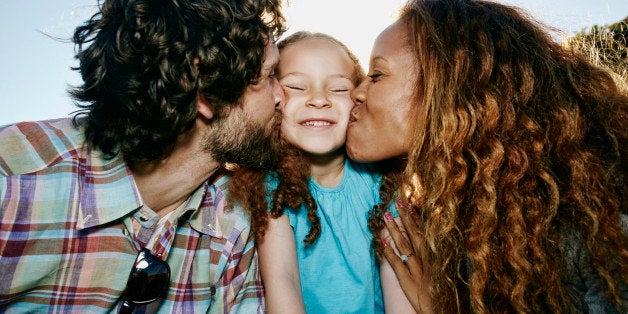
x: 172, y: 90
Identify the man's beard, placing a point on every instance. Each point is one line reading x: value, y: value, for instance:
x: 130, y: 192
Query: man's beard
x: 235, y: 138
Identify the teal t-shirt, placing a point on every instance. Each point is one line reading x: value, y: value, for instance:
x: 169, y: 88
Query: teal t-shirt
x: 339, y: 272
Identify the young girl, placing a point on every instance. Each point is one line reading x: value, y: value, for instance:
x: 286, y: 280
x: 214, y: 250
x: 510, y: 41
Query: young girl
x: 317, y: 256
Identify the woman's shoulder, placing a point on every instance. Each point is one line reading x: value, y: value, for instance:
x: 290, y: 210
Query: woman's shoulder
x: 580, y: 273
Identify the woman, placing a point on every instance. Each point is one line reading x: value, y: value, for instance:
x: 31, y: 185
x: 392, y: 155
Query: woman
x: 508, y: 158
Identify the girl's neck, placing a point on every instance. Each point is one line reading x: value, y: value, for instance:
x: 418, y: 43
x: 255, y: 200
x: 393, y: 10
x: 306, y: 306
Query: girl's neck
x: 327, y: 170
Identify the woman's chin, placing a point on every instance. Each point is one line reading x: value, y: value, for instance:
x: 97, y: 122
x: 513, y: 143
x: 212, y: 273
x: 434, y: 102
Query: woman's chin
x: 356, y: 154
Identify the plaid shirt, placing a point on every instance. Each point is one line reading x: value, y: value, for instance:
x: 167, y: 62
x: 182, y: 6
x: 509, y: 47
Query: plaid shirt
x: 67, y: 241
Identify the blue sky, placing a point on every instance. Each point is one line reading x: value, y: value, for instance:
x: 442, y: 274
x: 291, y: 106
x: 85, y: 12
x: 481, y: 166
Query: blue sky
x: 35, y: 69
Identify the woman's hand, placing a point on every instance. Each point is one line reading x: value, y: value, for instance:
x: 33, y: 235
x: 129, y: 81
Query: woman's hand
x: 408, y: 258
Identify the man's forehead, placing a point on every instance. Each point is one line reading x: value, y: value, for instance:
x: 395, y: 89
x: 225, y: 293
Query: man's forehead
x: 271, y: 56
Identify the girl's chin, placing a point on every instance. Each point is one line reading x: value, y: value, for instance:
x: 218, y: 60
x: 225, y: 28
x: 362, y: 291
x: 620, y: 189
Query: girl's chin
x: 323, y: 150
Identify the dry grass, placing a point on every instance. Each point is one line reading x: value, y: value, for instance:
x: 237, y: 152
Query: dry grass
x: 606, y: 46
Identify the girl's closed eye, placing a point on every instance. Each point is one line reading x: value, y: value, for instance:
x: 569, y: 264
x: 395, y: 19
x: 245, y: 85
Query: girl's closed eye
x: 294, y: 87
x: 340, y: 85
x: 340, y: 89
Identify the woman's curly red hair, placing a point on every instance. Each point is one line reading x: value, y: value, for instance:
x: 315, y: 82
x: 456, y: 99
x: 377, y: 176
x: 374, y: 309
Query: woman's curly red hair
x: 517, y: 143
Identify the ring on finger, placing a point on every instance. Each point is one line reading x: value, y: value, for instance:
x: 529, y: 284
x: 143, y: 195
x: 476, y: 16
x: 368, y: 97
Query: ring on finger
x: 404, y: 257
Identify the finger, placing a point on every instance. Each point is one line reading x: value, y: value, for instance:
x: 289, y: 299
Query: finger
x: 414, y: 263
x: 399, y: 239
x: 407, y: 283
x: 412, y: 228
x: 404, y: 248
x: 408, y: 217
x: 395, y: 262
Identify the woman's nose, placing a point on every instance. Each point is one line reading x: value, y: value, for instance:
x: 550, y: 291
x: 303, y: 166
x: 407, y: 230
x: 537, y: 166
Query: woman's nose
x: 358, y: 94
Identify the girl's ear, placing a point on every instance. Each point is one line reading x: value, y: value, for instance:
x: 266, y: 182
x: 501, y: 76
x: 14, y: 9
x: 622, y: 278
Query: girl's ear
x: 204, y: 108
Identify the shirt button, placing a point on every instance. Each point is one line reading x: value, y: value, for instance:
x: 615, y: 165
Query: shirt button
x: 144, y: 216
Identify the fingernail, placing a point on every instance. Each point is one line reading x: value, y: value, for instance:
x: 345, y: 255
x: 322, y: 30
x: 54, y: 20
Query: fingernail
x: 403, y: 206
x: 384, y: 243
x: 388, y: 216
x: 399, y: 203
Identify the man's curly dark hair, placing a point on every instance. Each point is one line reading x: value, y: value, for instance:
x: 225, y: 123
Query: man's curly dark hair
x: 145, y: 62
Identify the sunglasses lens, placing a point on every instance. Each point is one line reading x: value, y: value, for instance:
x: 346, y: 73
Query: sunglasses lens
x: 149, y: 279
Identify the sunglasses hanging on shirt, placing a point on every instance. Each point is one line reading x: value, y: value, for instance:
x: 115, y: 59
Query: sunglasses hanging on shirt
x: 148, y: 281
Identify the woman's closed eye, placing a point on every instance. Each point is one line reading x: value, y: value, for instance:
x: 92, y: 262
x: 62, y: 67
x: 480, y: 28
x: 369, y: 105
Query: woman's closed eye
x: 375, y: 76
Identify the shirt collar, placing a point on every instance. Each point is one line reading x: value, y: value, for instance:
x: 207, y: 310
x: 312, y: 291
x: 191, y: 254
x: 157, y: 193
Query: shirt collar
x: 216, y: 217
x: 107, y: 191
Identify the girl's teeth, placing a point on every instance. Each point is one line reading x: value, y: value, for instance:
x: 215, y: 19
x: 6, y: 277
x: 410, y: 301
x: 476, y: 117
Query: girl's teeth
x: 317, y: 123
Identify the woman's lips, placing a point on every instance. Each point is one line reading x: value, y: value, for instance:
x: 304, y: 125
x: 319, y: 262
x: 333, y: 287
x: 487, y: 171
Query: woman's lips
x: 353, y: 115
